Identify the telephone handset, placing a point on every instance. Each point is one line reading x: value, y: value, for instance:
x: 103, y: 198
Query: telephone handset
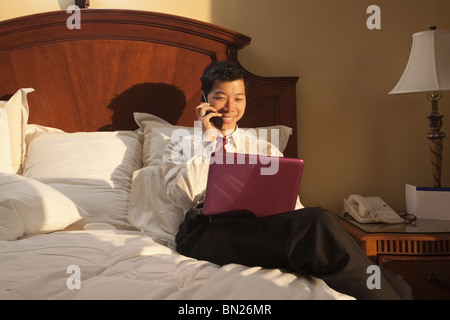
x: 216, y: 121
x: 370, y: 210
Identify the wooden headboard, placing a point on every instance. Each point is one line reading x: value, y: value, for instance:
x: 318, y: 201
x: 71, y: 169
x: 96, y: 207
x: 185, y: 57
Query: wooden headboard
x: 125, y: 61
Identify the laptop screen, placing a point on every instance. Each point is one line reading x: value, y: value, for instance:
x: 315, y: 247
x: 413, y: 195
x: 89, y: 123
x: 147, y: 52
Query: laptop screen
x: 263, y: 185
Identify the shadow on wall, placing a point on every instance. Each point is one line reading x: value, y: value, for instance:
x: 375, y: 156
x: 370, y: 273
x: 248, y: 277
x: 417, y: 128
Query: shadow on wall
x: 160, y: 99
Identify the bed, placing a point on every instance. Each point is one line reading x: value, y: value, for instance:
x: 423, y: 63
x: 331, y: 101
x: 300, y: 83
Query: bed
x: 86, y: 111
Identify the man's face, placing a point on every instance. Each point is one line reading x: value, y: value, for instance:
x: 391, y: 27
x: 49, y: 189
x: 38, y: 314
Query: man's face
x: 228, y: 98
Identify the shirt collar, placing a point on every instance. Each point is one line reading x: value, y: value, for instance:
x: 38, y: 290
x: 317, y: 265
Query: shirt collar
x: 233, y: 138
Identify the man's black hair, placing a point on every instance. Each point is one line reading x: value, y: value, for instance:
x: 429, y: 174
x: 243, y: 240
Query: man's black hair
x: 222, y: 71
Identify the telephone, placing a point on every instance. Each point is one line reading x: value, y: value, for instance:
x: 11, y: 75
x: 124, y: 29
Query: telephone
x: 370, y: 210
x: 216, y: 121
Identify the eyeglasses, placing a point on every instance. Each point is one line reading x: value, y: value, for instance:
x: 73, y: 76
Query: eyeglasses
x: 409, y: 218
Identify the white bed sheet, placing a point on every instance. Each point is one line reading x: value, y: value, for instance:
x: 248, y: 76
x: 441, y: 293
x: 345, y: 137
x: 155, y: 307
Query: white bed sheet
x: 122, y: 264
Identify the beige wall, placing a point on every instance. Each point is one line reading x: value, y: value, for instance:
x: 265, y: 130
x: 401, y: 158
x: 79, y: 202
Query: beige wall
x: 354, y: 137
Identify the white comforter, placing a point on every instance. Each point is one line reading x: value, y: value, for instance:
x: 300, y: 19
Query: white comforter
x: 131, y: 265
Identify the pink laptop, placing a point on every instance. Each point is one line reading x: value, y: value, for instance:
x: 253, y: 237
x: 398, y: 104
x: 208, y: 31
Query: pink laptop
x: 249, y: 183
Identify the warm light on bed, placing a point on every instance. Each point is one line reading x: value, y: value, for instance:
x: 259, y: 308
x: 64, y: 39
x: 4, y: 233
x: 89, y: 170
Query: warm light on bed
x: 428, y: 70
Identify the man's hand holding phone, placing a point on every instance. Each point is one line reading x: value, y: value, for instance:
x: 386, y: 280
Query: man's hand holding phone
x: 217, y: 121
x: 205, y: 112
x: 210, y: 118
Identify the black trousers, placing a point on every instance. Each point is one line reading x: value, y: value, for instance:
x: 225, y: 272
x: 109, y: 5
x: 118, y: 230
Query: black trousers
x: 308, y: 241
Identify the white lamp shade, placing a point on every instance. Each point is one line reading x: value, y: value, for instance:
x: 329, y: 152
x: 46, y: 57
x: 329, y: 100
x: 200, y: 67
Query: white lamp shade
x: 428, y: 68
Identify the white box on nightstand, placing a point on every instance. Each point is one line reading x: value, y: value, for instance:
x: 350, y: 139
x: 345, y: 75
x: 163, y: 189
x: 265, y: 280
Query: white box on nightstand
x: 428, y: 203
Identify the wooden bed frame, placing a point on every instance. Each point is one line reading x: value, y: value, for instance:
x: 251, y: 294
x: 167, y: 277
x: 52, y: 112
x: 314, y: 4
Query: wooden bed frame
x: 125, y: 61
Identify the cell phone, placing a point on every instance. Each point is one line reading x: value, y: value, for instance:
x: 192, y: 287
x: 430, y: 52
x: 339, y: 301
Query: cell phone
x: 216, y: 121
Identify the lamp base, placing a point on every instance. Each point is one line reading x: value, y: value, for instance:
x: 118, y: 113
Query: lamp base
x: 436, y: 138
x: 436, y: 160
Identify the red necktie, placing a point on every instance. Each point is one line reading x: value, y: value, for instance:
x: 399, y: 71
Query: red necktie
x: 221, y: 145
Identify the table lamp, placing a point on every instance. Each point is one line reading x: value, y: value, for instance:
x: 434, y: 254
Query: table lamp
x: 428, y: 70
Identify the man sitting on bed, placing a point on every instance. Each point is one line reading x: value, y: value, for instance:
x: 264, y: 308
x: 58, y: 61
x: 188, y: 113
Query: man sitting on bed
x: 306, y: 241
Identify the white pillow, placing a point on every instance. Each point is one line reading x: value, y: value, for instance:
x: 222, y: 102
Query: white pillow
x: 29, y: 207
x: 157, y: 135
x: 5, y: 141
x: 14, y: 113
x: 140, y: 118
x: 146, y: 123
x: 31, y: 132
x: 93, y: 169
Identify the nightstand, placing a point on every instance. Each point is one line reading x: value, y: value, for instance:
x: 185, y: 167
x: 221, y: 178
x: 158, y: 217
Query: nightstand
x: 421, y: 254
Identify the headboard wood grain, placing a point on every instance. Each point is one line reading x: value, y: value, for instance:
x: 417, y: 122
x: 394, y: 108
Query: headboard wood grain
x: 125, y: 61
